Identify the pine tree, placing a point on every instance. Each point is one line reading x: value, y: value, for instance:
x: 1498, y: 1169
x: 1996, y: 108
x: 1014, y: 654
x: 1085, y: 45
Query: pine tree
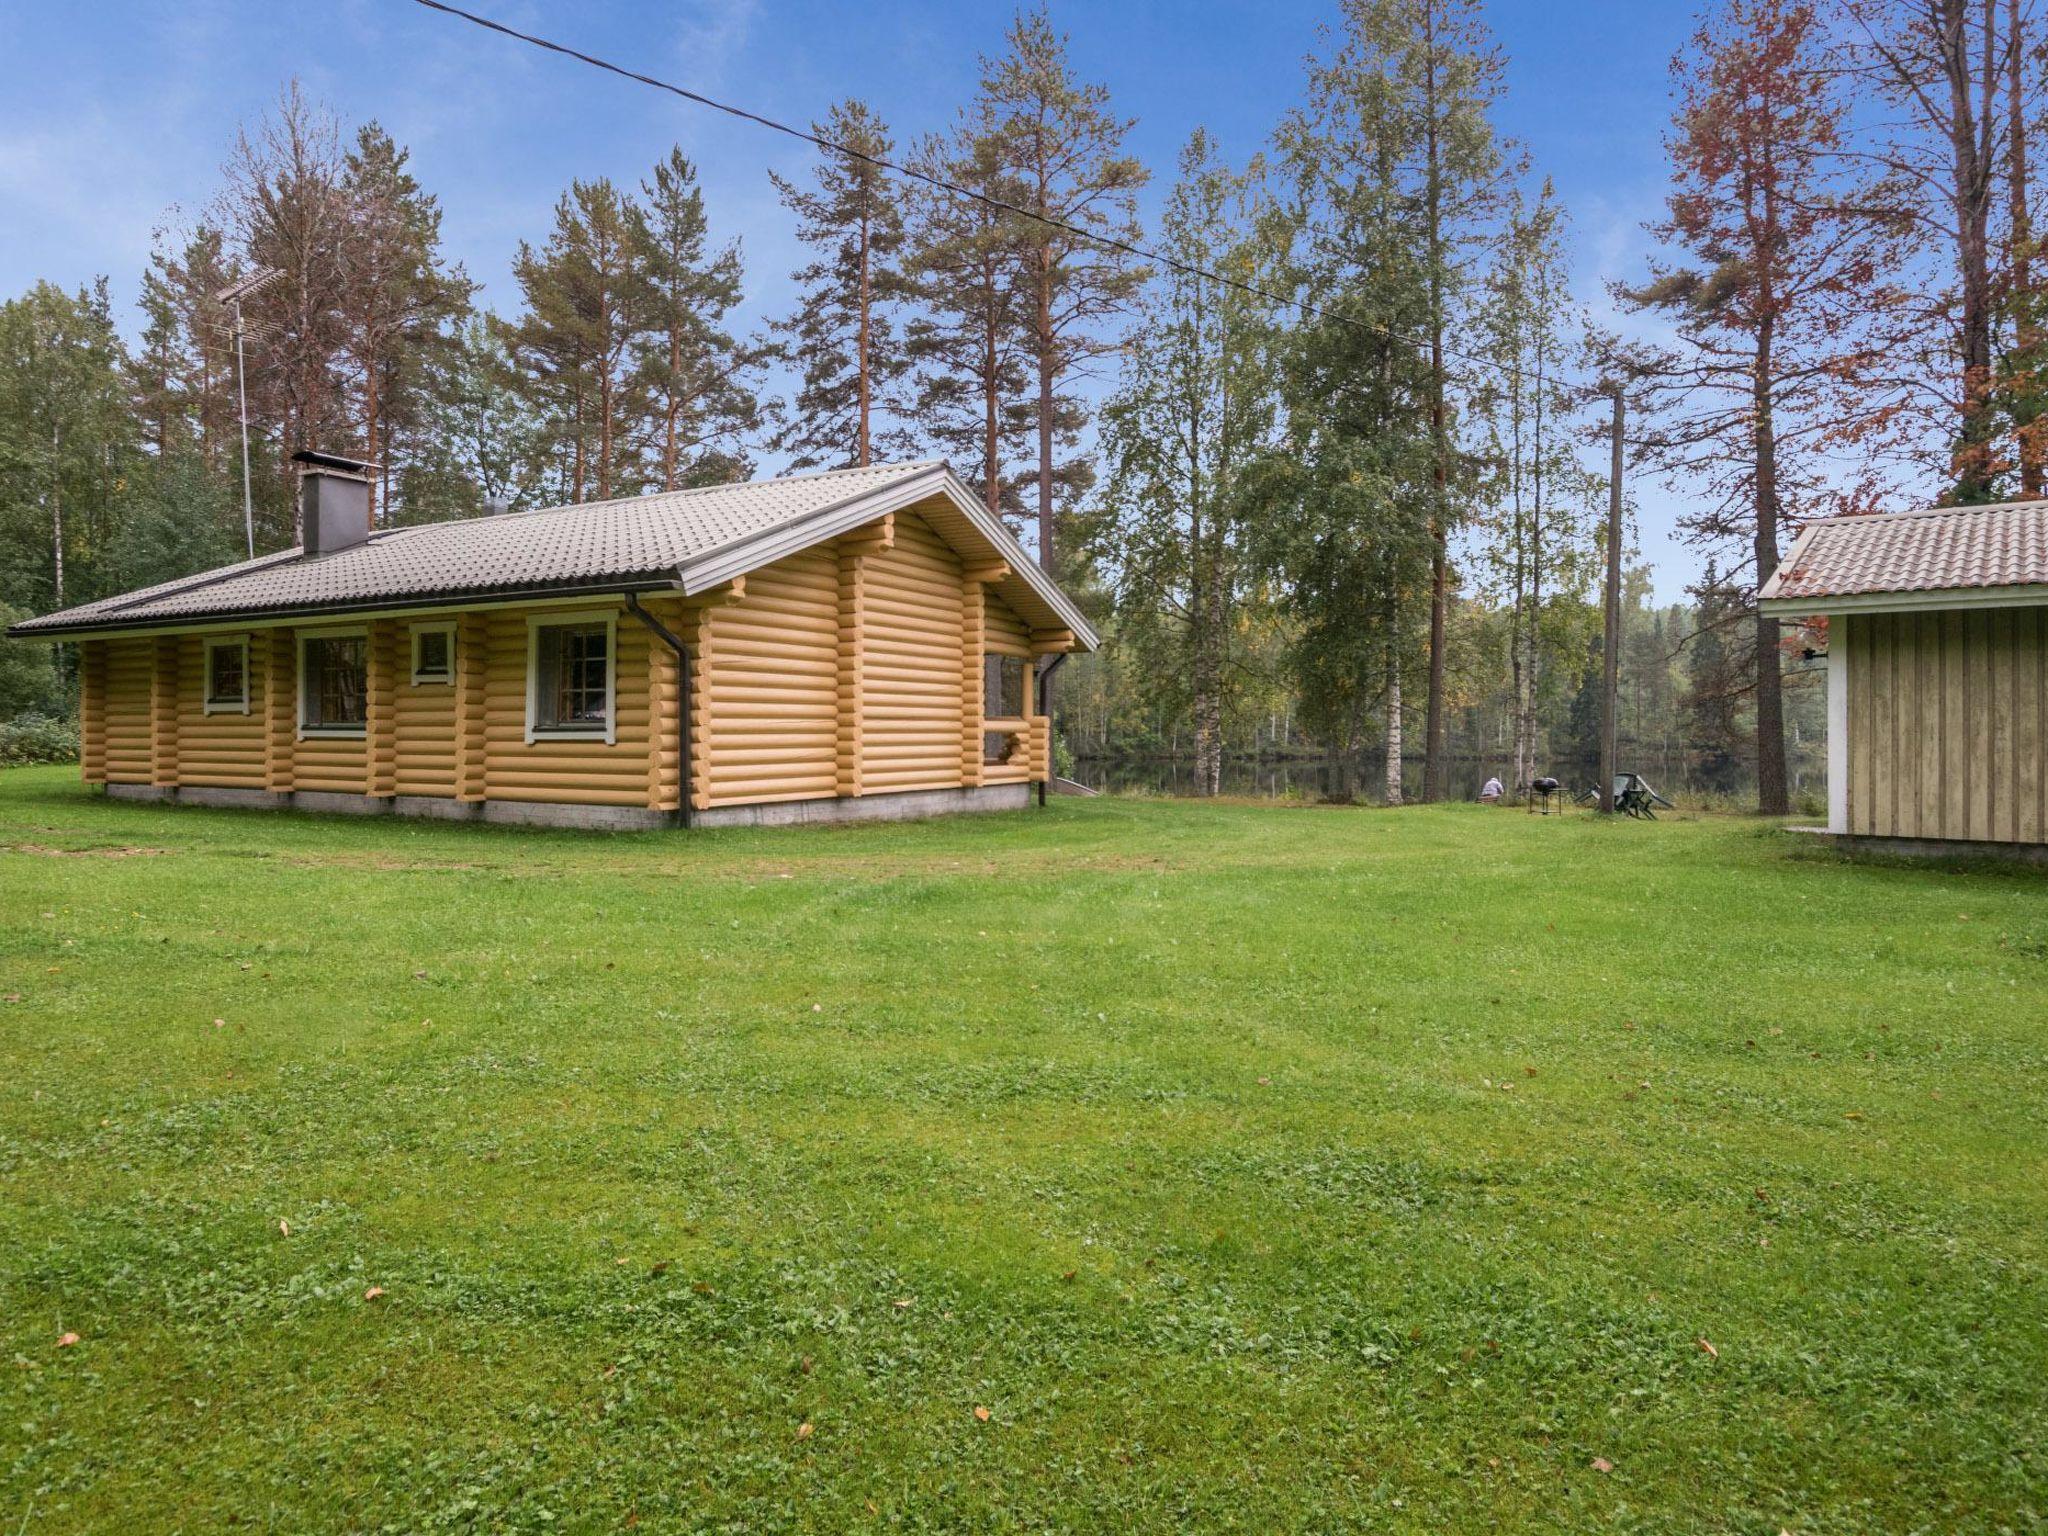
x: 1197, y: 409
x: 1775, y: 323
x: 842, y: 339
x: 971, y: 400
x: 588, y: 312
x: 400, y: 303
x: 1064, y: 153
x: 697, y: 381
x: 1343, y: 527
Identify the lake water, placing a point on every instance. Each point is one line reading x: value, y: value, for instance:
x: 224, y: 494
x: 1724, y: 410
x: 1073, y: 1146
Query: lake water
x: 1314, y: 779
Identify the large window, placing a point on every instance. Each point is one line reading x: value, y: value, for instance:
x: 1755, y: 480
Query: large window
x: 227, y: 676
x: 332, y: 683
x: 570, y: 678
x: 1002, y: 687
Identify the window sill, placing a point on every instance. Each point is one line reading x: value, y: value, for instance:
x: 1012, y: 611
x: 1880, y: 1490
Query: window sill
x: 433, y: 682
x: 542, y: 733
x: 343, y: 732
x: 224, y: 707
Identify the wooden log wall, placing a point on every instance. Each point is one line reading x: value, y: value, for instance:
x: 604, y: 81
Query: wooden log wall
x: 224, y: 749
x: 853, y: 668
x: 1948, y: 722
x: 665, y: 753
x: 380, y: 708
x: 279, y: 653
x: 424, y: 716
x: 92, y: 711
x: 472, y: 704
x: 582, y: 769
x: 772, y: 699
x: 131, y: 669
x: 911, y: 688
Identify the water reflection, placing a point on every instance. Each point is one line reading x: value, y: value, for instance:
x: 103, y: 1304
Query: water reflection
x: 1724, y: 782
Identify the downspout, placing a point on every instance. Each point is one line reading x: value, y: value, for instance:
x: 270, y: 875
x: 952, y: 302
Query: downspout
x: 1045, y: 677
x: 662, y: 632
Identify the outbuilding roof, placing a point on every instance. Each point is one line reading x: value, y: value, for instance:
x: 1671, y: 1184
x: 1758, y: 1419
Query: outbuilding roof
x: 1944, y: 556
x: 683, y: 540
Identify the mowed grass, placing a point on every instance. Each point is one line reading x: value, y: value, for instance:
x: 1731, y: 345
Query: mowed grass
x: 1254, y: 1168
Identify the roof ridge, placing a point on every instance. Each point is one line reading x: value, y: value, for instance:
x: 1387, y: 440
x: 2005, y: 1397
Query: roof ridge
x: 1876, y: 518
x: 692, y: 490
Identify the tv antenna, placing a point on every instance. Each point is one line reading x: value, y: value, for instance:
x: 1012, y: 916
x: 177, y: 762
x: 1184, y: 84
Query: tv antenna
x: 232, y: 296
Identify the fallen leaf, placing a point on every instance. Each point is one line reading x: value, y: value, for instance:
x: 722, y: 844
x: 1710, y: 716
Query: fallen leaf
x: 220, y: 1023
x: 284, y: 1227
x: 902, y: 1304
x: 373, y: 1293
x: 1069, y: 1276
x: 804, y: 1431
x: 67, y: 1340
x: 981, y: 1414
x: 660, y: 1267
x: 1602, y: 1464
x: 1709, y: 1349
x: 703, y: 1289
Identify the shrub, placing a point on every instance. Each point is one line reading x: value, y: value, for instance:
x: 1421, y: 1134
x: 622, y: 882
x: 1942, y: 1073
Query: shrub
x: 37, y: 739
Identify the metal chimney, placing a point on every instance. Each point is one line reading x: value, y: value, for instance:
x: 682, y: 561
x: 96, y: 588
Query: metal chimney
x: 334, y: 502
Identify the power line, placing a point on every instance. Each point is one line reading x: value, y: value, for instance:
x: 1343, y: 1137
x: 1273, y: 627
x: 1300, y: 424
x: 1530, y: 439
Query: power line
x: 1079, y: 232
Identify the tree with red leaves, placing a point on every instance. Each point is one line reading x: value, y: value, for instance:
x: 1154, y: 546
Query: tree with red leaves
x: 1780, y: 301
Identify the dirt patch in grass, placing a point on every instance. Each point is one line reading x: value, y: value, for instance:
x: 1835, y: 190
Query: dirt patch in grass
x: 123, y: 851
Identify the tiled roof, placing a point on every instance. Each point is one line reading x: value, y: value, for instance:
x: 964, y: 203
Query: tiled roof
x: 1941, y: 550
x: 653, y: 538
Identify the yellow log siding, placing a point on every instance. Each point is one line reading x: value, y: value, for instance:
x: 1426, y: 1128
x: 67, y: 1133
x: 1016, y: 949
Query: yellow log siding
x: 584, y: 770
x: 131, y: 672
x: 224, y: 749
x: 771, y: 695
x: 1946, y: 715
x: 92, y: 711
x: 911, y: 693
x: 424, y: 741
x: 852, y: 668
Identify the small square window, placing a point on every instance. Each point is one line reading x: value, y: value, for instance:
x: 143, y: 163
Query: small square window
x: 433, y: 654
x: 227, y: 676
x: 333, y: 682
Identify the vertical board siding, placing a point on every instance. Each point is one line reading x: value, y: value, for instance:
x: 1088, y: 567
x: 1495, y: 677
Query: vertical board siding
x: 425, y: 718
x: 773, y: 692
x: 1946, y: 721
x: 911, y: 693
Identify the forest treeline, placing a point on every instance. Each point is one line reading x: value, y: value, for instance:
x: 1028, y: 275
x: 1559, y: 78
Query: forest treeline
x: 1323, y: 463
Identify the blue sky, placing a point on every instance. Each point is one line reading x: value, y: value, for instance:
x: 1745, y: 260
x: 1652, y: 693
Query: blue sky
x: 118, y: 115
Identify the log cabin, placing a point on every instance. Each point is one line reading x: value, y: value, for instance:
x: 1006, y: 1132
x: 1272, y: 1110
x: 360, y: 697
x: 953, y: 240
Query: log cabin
x: 860, y: 643
x: 1937, y: 674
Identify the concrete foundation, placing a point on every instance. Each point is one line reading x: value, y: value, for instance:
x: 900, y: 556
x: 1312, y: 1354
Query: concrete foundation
x: 911, y: 805
x: 1929, y: 847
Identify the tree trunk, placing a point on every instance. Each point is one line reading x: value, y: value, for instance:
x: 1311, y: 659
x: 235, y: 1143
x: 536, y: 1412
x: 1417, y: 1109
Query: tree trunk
x: 861, y: 456
x: 1393, y: 757
x: 1772, y: 799
x: 2033, y: 451
x: 57, y: 511
x: 1972, y: 200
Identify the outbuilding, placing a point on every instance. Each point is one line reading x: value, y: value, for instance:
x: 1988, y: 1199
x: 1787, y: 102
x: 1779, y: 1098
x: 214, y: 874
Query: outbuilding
x: 1937, y: 673
x: 863, y: 642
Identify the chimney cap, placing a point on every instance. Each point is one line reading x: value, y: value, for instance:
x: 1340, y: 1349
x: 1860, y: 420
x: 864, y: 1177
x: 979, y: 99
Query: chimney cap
x: 335, y: 463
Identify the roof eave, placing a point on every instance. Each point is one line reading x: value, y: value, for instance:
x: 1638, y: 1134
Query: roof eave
x: 1820, y: 605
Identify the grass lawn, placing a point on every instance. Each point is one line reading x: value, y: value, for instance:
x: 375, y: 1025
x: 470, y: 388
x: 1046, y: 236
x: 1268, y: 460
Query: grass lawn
x: 1253, y: 1168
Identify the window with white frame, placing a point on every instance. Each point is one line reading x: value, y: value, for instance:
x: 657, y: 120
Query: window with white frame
x: 570, y: 675
x: 333, y: 683
x: 227, y: 675
x: 433, y: 653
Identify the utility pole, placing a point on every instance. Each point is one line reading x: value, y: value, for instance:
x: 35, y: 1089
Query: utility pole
x: 233, y: 295
x: 1610, y: 651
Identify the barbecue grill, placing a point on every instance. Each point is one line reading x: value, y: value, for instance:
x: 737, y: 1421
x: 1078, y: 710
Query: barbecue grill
x: 1543, y: 792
